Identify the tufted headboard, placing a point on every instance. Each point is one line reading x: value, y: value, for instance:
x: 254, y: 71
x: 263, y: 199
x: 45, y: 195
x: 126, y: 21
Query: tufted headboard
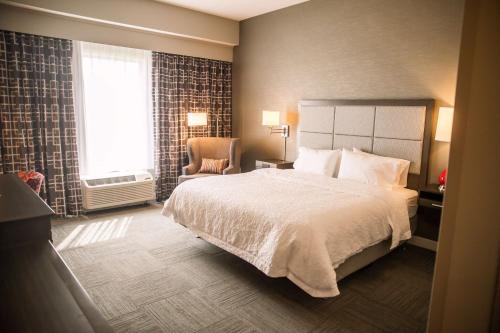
x: 396, y: 128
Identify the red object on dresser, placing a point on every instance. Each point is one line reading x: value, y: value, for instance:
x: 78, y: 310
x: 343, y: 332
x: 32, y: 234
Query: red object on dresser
x: 442, y: 177
x: 32, y: 178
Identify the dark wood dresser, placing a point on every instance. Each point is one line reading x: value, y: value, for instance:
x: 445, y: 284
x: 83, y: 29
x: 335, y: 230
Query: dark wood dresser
x: 24, y: 217
x: 38, y: 292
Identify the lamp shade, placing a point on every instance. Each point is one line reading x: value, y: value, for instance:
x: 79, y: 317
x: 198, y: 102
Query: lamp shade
x: 270, y: 118
x: 445, y: 121
x: 197, y: 119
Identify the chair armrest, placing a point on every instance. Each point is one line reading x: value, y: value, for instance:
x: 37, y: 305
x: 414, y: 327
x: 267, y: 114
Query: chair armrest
x: 234, y: 157
x: 231, y: 169
x: 193, y: 151
x: 189, y: 169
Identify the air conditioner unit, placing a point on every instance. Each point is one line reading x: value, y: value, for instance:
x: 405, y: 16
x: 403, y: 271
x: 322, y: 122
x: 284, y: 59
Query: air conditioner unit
x: 117, y: 189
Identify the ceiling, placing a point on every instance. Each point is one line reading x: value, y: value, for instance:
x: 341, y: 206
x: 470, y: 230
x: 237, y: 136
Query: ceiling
x: 234, y: 9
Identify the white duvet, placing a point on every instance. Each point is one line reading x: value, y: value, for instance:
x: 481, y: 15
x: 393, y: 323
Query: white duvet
x: 291, y: 224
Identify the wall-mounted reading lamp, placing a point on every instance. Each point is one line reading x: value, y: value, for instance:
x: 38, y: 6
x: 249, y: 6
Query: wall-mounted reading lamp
x: 271, y: 119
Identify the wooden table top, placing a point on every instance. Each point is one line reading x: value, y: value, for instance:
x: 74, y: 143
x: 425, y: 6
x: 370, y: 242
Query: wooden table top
x: 18, y: 201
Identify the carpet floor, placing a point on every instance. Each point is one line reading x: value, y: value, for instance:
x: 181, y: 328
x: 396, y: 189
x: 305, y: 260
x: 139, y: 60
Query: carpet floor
x: 147, y: 274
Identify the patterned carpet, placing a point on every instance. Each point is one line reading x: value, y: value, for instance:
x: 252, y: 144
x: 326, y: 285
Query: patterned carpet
x: 147, y: 274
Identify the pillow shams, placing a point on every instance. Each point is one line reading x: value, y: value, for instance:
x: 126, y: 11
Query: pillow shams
x: 404, y: 164
x: 371, y: 169
x: 322, y: 162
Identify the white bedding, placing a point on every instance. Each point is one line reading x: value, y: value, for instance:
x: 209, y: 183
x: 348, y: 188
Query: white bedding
x: 291, y: 224
x: 411, y: 197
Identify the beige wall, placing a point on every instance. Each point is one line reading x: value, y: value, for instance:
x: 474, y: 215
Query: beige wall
x: 467, y: 264
x: 343, y: 49
x: 144, y: 24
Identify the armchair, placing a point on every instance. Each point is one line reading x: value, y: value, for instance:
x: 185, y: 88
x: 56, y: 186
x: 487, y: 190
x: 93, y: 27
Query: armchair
x: 214, y: 148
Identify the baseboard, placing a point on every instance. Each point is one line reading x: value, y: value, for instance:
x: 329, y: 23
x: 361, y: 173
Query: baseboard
x: 423, y: 242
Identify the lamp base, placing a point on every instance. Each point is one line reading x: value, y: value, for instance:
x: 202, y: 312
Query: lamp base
x: 285, y: 131
x: 284, y: 155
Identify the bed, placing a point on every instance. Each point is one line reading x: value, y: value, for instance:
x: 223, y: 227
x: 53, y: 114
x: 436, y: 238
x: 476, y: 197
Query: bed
x: 316, y: 230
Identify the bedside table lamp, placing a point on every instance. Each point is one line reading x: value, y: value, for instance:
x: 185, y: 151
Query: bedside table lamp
x: 443, y: 133
x: 271, y: 119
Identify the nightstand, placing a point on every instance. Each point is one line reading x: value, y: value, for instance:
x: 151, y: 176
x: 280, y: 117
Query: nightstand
x: 430, y: 204
x: 272, y: 163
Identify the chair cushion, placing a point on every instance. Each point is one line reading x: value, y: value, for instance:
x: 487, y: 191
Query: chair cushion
x: 183, y: 178
x: 209, y: 165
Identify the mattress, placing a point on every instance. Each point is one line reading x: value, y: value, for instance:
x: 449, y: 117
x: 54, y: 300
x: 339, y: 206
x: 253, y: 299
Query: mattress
x: 411, y: 197
x: 368, y: 255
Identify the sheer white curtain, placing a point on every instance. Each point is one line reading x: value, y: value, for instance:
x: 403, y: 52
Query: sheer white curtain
x: 114, y: 113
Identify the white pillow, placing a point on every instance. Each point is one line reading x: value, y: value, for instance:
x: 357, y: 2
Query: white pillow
x: 371, y: 169
x: 405, y: 166
x: 322, y: 162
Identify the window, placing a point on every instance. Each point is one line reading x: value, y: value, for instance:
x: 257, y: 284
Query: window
x: 114, y: 114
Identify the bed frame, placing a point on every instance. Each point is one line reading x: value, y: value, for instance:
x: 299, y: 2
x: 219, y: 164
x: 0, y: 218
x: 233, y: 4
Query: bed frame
x: 400, y: 128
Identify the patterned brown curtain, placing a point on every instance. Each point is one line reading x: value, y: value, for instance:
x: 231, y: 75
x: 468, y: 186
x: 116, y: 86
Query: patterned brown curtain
x: 183, y: 84
x: 37, y: 119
